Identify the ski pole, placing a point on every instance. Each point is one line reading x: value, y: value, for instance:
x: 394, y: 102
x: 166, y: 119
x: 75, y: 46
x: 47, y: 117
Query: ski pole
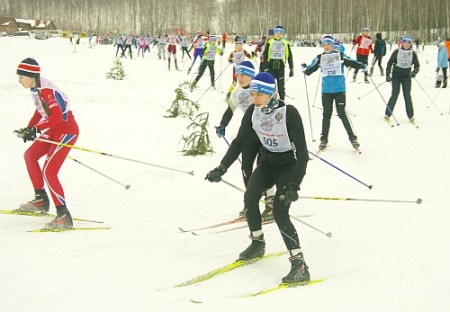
x: 329, y: 235
x: 214, y: 81
x: 426, y: 93
x: 294, y: 217
x: 384, y: 101
x: 127, y: 186
x: 317, y: 88
x: 233, y: 186
x: 228, y: 143
x: 417, y: 201
x: 111, y: 155
x: 339, y: 169
x: 309, y: 110
x: 361, y: 97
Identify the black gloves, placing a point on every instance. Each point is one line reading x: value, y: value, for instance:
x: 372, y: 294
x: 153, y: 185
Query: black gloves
x: 254, y: 54
x: 413, y: 74
x: 27, y: 134
x: 289, y: 193
x: 220, y: 131
x: 291, y: 72
x: 216, y: 174
x: 388, y: 78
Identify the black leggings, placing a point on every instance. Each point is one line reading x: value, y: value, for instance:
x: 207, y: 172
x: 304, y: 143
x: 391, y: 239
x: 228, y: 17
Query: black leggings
x: 267, y: 174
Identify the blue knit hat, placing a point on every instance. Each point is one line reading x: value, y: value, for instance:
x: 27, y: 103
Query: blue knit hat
x: 327, y: 40
x: 279, y: 28
x: 365, y: 28
x: 246, y: 68
x: 212, y: 38
x: 263, y: 83
x: 406, y: 39
x: 271, y: 32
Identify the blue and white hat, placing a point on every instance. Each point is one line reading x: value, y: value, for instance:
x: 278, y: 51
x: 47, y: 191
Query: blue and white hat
x: 406, y: 39
x: 327, y: 40
x: 271, y: 32
x: 366, y: 28
x: 212, y: 38
x: 246, y: 68
x: 279, y: 28
x: 263, y: 83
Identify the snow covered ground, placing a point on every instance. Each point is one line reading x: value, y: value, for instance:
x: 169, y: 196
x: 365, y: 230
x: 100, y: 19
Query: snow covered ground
x: 383, y: 256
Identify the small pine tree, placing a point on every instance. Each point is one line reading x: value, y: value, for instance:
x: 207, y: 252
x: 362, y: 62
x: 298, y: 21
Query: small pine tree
x: 116, y: 72
x: 198, y: 143
x: 182, y: 105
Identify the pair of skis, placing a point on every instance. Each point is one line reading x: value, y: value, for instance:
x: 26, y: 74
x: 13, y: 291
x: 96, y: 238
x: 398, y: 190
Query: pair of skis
x: 43, y: 214
x: 240, y: 263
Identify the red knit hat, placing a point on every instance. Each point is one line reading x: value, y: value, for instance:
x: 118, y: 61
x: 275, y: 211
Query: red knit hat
x: 28, y: 67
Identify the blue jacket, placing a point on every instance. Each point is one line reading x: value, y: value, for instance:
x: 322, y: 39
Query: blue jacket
x: 442, y: 60
x: 336, y: 83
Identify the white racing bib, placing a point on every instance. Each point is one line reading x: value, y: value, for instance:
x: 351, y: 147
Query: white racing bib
x: 278, y: 50
x: 404, y: 58
x: 240, y: 98
x: 331, y: 64
x: 271, y: 130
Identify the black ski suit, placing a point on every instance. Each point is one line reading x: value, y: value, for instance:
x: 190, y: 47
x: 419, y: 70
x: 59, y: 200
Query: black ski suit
x: 273, y: 168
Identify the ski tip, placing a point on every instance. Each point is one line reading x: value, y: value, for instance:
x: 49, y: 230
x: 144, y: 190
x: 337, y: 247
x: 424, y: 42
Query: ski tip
x: 195, y: 301
x: 44, y: 230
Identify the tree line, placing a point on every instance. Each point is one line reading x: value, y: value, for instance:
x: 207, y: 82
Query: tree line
x: 428, y: 19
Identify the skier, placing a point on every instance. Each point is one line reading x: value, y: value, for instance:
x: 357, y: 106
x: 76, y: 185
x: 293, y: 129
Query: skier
x: 331, y: 63
x: 236, y: 57
x: 54, y: 119
x: 442, y: 64
x: 240, y: 98
x: 260, y: 47
x: 161, y: 44
x: 209, y: 56
x: 142, y: 44
x: 364, y: 43
x: 276, y: 54
x: 184, y: 48
x: 283, y: 161
x: 198, y: 45
x: 379, y: 51
x: 119, y: 43
x: 128, y: 44
x: 173, y: 40
x: 401, y: 64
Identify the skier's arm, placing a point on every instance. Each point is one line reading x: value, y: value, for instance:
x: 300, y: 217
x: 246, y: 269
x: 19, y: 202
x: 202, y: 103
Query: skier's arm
x: 238, y: 144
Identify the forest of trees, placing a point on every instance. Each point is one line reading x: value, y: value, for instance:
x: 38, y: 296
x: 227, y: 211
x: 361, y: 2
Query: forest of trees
x: 428, y: 19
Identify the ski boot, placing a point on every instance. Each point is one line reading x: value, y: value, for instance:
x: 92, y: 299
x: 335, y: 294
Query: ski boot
x: 242, y: 214
x: 323, y: 144
x: 193, y: 85
x: 267, y: 214
x: 299, y: 270
x: 354, y: 77
x: 366, y: 79
x: 256, y: 249
x: 354, y: 141
x: 40, y: 203
x: 63, y: 220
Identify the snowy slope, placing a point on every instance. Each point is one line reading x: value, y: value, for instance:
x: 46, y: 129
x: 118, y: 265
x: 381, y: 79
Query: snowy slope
x: 383, y: 256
